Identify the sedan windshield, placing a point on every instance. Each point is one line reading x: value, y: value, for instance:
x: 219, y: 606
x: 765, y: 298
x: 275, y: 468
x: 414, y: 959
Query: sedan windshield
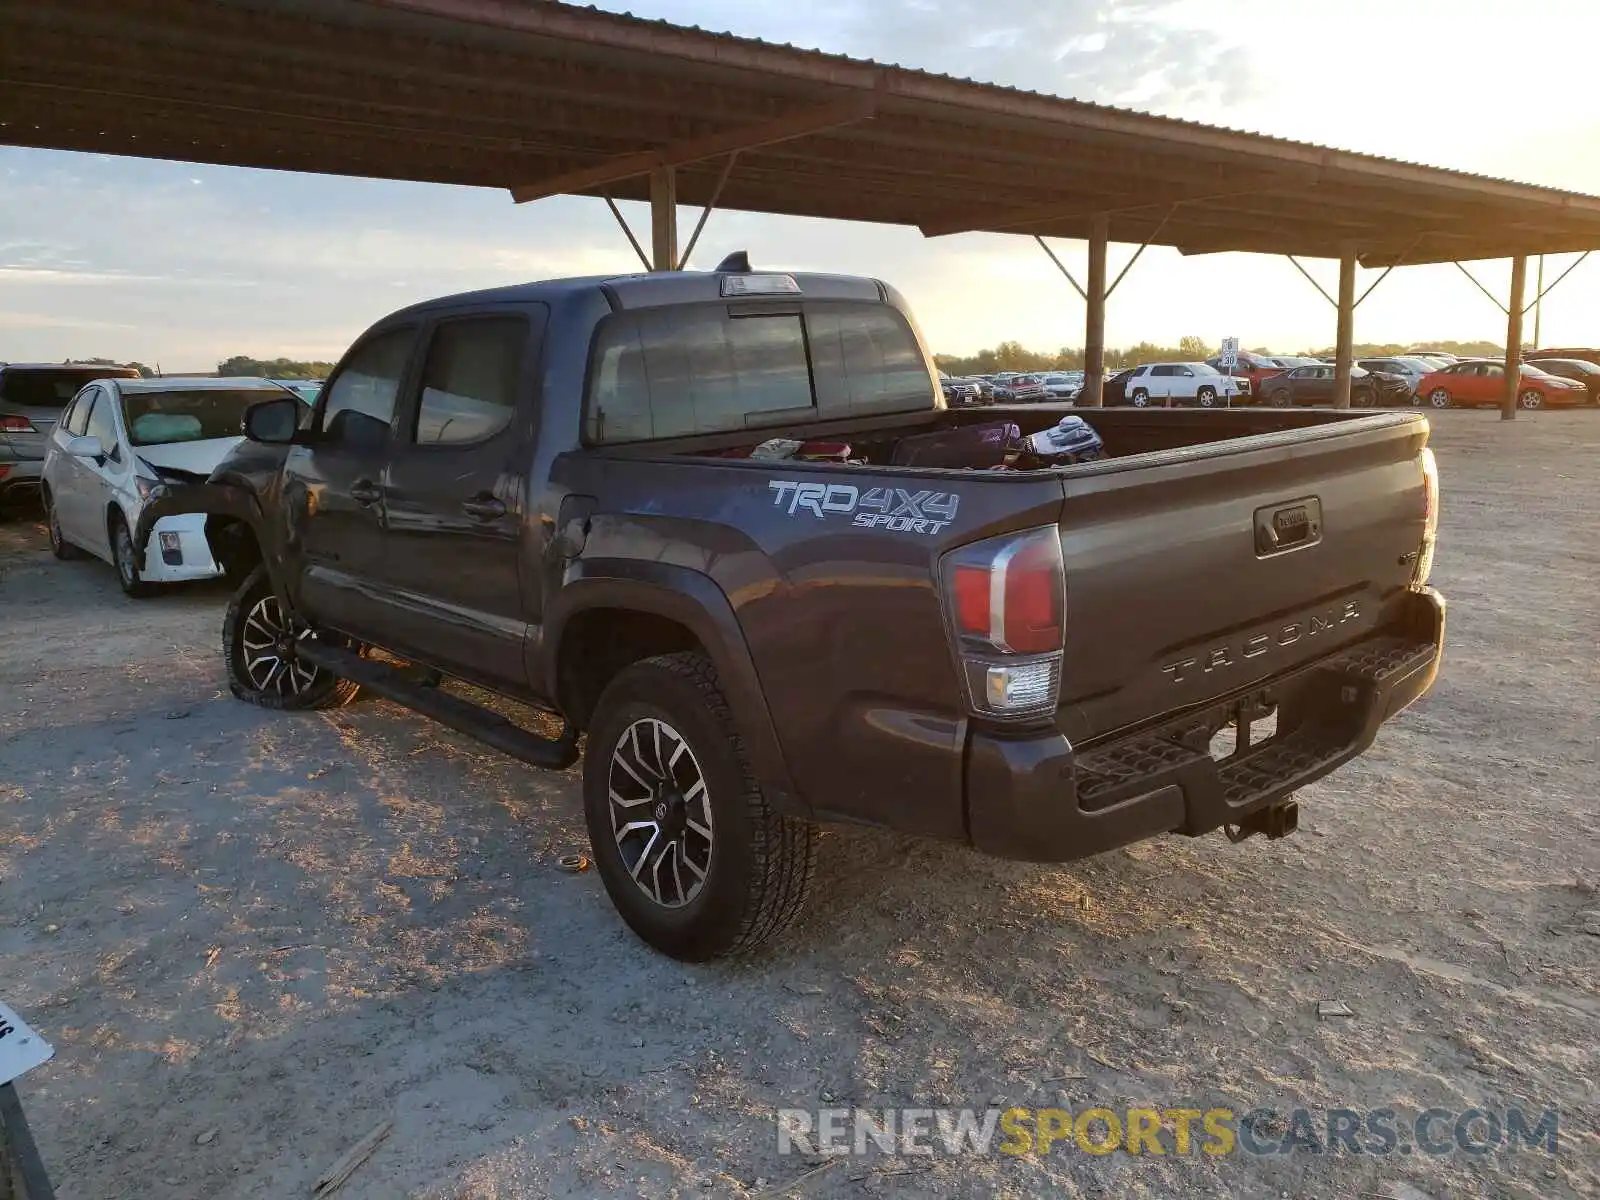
x: 189, y: 415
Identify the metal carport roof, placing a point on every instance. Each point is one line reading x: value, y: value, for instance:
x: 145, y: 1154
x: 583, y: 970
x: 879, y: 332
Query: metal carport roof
x: 543, y: 98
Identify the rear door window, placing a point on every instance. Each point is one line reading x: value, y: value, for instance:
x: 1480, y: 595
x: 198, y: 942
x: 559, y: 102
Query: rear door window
x: 470, y: 378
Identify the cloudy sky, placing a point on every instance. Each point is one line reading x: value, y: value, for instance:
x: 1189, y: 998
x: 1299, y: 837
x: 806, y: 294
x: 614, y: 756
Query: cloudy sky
x: 185, y: 265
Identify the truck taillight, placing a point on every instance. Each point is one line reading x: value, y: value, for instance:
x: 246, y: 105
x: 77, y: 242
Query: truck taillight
x: 1430, y: 519
x: 1006, y: 598
x: 12, y: 423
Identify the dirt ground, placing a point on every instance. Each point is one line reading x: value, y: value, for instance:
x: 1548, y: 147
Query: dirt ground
x: 252, y: 937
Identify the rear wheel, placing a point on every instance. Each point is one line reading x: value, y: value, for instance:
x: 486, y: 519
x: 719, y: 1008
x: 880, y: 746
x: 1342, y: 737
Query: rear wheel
x: 1140, y: 398
x: 259, y: 636
x: 1439, y: 398
x: 695, y: 859
x: 1282, y: 398
x: 1530, y: 398
x: 125, y: 558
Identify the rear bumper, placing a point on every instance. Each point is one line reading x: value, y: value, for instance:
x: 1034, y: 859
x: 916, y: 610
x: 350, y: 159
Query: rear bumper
x: 1037, y: 798
x: 19, y: 477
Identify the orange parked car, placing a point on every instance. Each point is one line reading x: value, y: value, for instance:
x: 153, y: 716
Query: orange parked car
x: 1483, y: 381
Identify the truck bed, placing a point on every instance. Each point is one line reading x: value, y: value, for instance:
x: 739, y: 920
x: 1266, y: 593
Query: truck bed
x: 1171, y: 602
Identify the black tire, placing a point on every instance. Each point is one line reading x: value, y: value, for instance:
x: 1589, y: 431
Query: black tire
x: 59, y: 546
x: 757, y: 863
x: 1140, y: 398
x: 1207, y: 396
x: 1282, y: 398
x: 1363, y: 399
x: 124, y: 558
x: 255, y: 612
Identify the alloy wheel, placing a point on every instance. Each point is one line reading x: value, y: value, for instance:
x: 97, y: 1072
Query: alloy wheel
x: 1439, y: 398
x: 269, y: 658
x: 1532, y: 398
x: 661, y: 812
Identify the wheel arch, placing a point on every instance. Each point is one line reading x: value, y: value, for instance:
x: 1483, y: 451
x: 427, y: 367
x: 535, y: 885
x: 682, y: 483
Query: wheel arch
x: 617, y: 612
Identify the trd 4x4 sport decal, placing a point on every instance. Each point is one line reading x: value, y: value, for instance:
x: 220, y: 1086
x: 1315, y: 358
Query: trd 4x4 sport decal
x: 894, y: 509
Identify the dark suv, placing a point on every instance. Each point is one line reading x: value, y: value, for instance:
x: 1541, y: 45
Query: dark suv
x: 32, y: 396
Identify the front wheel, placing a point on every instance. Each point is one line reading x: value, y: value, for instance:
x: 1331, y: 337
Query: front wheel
x: 1530, y: 398
x: 695, y: 859
x: 1141, y: 399
x: 126, y: 559
x: 59, y: 546
x: 1207, y: 397
x: 259, y: 636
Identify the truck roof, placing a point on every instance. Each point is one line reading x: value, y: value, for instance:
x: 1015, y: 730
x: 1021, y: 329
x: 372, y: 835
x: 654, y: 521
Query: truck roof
x: 660, y: 288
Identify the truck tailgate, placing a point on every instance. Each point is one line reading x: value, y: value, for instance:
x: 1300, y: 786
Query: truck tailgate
x: 1216, y: 567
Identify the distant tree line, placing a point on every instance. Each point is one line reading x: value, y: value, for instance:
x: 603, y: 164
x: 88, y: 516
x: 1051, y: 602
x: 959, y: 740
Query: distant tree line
x: 147, y: 372
x: 1014, y: 356
x: 273, y: 368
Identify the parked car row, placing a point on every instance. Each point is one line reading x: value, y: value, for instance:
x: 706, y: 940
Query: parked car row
x: 96, y: 442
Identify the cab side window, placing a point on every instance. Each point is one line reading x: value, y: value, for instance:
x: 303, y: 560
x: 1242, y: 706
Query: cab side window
x: 359, y: 402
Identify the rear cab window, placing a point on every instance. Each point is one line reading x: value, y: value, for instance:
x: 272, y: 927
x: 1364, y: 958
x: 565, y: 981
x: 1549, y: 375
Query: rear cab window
x: 723, y: 367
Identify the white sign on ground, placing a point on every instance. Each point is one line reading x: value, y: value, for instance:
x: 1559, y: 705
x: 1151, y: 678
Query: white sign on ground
x: 21, y: 1049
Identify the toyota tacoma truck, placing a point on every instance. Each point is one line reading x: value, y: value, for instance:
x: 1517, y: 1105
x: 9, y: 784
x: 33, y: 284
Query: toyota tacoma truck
x: 722, y: 528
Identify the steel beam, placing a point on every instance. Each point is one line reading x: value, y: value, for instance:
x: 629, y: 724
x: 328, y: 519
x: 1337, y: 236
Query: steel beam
x: 1094, y: 329
x: 1519, y: 279
x: 664, y: 219
x: 714, y: 145
x: 1344, y: 342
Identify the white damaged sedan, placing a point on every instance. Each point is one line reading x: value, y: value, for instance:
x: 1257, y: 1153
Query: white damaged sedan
x: 117, y: 443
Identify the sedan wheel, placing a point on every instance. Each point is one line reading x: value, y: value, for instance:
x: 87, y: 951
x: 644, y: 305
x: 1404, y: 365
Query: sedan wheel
x: 1439, y: 398
x: 127, y: 562
x: 1282, y: 398
x: 59, y: 546
x: 1530, y: 398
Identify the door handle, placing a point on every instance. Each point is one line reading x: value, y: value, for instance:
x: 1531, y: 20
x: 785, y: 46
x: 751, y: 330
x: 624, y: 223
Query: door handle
x: 364, y: 491
x: 484, y: 508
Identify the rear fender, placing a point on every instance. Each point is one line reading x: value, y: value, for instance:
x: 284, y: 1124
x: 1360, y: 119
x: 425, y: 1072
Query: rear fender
x: 696, y: 602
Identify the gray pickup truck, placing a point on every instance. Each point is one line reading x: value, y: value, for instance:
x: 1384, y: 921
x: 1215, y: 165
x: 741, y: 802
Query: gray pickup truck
x: 724, y: 529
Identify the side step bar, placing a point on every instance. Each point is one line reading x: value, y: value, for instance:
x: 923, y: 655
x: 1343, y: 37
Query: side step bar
x: 490, y: 728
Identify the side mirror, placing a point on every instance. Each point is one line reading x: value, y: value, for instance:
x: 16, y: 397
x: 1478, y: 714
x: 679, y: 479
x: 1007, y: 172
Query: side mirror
x: 273, y: 422
x: 85, y: 445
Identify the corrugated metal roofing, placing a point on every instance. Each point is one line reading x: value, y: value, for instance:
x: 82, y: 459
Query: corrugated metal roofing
x: 539, y: 96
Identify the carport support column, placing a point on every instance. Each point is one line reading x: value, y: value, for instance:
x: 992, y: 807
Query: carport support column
x: 664, y: 219
x: 1094, y: 331
x: 1344, y: 340
x: 1519, y: 280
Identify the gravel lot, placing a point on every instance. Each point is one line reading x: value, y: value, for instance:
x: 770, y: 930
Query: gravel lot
x: 252, y: 937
